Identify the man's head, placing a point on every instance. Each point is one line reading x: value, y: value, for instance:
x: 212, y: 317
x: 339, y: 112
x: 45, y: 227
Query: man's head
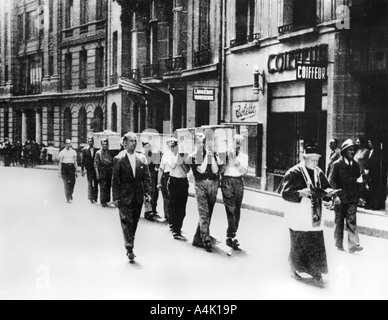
x: 90, y: 141
x: 349, y: 149
x: 130, y: 142
x: 334, y: 143
x: 105, y: 144
x: 312, y: 156
x: 362, y: 142
x: 68, y: 143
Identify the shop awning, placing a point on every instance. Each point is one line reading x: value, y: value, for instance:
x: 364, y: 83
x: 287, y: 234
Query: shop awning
x: 131, y: 86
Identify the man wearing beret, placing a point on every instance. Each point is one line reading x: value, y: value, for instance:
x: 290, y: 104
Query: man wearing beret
x: 344, y: 175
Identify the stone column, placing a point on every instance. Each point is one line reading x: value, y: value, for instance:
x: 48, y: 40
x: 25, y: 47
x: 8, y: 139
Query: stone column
x: 38, y: 138
x: 24, y: 127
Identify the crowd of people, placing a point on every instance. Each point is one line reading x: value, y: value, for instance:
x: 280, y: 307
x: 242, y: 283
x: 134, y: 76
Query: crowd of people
x: 132, y: 179
x: 30, y: 154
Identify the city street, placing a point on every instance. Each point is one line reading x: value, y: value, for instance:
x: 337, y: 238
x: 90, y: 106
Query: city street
x: 53, y: 250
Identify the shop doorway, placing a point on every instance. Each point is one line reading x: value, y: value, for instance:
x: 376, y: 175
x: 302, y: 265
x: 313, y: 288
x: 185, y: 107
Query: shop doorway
x: 31, y: 125
x: 202, y: 113
x: 374, y: 97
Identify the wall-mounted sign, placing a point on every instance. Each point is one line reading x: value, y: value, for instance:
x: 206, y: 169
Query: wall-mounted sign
x: 318, y: 55
x: 245, y: 111
x: 204, y: 94
x: 311, y: 72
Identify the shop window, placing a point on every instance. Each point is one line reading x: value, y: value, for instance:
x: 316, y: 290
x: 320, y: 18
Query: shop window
x: 245, y: 22
x: 31, y: 31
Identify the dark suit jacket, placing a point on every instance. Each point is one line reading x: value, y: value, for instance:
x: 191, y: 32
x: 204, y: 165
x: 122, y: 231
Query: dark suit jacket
x: 88, y: 159
x: 374, y: 167
x: 345, y: 177
x: 127, y: 189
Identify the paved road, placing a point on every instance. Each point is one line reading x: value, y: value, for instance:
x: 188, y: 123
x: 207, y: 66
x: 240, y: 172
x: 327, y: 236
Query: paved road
x: 52, y: 250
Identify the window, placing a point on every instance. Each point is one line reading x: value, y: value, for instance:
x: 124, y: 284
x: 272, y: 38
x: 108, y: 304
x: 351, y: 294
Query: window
x: 114, y: 117
x: 51, y: 17
x: 245, y: 21
x: 83, y: 69
x: 68, y: 124
x: 84, y: 11
x: 101, y: 10
x: 51, y: 66
x: 68, y: 71
x: 204, y: 24
x: 69, y: 14
x: 35, y: 76
x: 298, y: 14
x: 31, y: 28
x: 21, y: 27
x: 99, y: 67
x: 177, y: 11
x: 115, y: 54
x: 82, y: 126
x: 6, y: 73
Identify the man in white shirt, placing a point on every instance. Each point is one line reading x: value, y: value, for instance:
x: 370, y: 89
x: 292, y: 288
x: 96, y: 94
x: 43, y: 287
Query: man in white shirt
x: 68, y: 168
x: 233, y: 189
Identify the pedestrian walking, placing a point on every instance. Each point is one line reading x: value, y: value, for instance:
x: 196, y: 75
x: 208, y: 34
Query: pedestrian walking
x: 68, y: 168
x: 344, y: 176
x: 164, y: 177
x: 303, y: 189
x: 178, y: 188
x: 205, y: 169
x: 232, y: 187
x: 153, y: 160
x: 131, y: 184
x: 376, y: 193
x: 88, y: 158
x: 103, y: 165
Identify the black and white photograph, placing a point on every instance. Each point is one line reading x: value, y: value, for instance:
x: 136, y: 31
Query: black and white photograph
x: 193, y: 150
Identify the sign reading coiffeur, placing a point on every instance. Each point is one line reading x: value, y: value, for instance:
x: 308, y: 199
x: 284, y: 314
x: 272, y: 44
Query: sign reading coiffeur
x: 310, y: 72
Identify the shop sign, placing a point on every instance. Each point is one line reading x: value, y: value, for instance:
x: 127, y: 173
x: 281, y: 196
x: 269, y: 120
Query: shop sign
x: 246, y: 111
x: 311, y: 72
x: 204, y: 94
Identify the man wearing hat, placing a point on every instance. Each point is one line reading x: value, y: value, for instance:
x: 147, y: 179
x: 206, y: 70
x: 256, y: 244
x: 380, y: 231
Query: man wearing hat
x: 233, y: 189
x: 303, y: 189
x: 344, y: 176
x: 104, y: 169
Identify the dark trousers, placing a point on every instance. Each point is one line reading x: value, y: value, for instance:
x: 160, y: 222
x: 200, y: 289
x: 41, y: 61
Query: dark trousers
x: 105, y: 185
x: 179, y: 193
x: 68, y: 177
x: 152, y: 207
x: 348, y: 213
x: 130, y: 217
x: 233, y: 195
x: 92, y: 186
x: 166, y: 196
x: 206, y: 193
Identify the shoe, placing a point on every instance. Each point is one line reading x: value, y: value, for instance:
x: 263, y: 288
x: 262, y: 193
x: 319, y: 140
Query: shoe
x: 178, y: 236
x: 233, y: 243
x: 198, y: 243
x: 208, y: 246
x: 356, y: 249
x: 131, y: 256
x: 104, y: 205
x: 341, y: 249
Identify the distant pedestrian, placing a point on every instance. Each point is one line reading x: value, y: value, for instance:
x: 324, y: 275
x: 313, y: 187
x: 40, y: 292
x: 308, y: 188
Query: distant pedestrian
x: 335, y: 154
x: 103, y: 164
x: 344, y: 176
x: 205, y: 169
x: 153, y: 160
x: 232, y: 187
x: 302, y: 189
x: 68, y: 169
x: 131, y: 184
x: 163, y: 179
x: 88, y: 158
x: 43, y: 154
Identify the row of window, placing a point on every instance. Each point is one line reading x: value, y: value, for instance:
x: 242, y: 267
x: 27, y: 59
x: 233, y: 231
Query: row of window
x: 84, y: 10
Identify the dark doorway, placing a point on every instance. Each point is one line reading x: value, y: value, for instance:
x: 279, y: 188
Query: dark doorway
x: 31, y: 125
x: 82, y: 126
x: 202, y: 113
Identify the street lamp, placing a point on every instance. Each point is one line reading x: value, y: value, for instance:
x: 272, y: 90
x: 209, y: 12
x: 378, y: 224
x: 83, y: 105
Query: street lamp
x: 259, y: 79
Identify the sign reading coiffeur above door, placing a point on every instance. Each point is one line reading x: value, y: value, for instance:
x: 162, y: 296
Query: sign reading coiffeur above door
x: 245, y: 112
x: 309, y: 72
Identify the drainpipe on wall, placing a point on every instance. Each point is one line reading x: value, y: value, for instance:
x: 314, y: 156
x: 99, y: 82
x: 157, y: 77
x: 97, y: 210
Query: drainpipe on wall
x: 221, y: 95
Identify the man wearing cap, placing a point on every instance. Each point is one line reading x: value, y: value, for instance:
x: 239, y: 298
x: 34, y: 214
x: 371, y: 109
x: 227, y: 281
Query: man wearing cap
x: 344, y: 176
x: 205, y: 169
x: 131, y: 185
x: 68, y: 168
x: 164, y: 177
x: 104, y: 170
x: 232, y: 187
x: 153, y: 160
x: 303, y: 189
x: 88, y: 158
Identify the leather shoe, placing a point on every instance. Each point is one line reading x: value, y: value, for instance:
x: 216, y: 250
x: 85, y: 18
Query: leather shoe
x: 131, y: 256
x: 356, y: 249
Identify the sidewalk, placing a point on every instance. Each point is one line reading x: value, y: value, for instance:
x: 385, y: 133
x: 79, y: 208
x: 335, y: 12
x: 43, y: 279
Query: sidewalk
x: 371, y: 223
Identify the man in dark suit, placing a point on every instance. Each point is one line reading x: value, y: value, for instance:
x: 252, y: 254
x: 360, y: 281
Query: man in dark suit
x: 131, y: 184
x: 344, y: 176
x: 88, y: 157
